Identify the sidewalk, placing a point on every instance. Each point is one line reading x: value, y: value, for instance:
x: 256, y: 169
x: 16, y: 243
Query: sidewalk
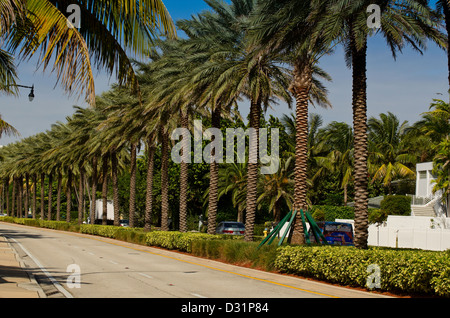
x: 14, y: 280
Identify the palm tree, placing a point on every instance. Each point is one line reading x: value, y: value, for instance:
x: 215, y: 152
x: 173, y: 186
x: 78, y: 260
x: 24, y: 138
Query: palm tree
x: 337, y: 140
x: 387, y: 157
x: 107, y: 34
x: 410, y: 23
x: 233, y: 182
x: 289, y: 27
x: 441, y: 169
x: 236, y: 70
x: 276, y: 189
x: 443, y: 6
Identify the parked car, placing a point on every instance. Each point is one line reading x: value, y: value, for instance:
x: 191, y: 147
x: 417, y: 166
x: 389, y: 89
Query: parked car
x: 124, y: 223
x: 230, y: 227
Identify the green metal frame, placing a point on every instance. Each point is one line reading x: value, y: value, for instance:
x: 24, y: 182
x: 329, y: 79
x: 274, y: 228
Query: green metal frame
x: 291, y: 217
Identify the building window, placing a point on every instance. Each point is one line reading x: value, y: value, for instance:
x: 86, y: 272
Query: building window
x: 422, y: 174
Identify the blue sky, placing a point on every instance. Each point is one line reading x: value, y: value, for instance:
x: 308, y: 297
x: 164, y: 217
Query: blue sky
x: 404, y: 87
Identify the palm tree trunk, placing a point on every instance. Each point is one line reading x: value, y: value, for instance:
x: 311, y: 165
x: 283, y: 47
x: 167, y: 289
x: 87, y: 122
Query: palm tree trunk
x: 42, y: 196
x: 34, y: 208
x: 27, y: 193
x: 58, y: 197
x: 50, y: 190
x: 132, y: 203
x: 20, y: 198
x: 277, y: 212
x: 213, y: 177
x: 114, y: 167
x: 300, y: 89
x: 105, y: 189
x: 184, y: 179
x: 252, y: 170
x: 446, y: 9
x: 13, y: 200
x: 149, y: 192
x: 345, y: 194
x: 94, y: 190
x: 8, y: 211
x: 3, y: 198
x: 81, y: 196
x: 360, y: 143
x: 164, y: 182
x: 69, y: 195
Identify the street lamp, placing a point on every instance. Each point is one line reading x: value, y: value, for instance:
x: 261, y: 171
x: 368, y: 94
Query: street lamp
x: 31, y: 95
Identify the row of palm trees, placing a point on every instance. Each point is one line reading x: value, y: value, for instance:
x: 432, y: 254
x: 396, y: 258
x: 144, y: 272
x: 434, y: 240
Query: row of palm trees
x: 394, y: 149
x: 260, y: 51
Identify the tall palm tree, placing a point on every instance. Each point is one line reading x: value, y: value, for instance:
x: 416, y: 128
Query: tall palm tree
x: 443, y: 6
x: 237, y: 70
x: 290, y: 27
x: 107, y: 34
x: 411, y: 23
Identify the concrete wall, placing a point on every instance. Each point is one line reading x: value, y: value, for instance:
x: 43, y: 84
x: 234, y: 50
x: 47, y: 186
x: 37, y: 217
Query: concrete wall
x: 426, y: 233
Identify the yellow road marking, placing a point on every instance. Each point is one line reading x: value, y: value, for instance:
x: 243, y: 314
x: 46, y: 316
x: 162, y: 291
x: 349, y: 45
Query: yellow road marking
x: 193, y: 263
x: 217, y: 269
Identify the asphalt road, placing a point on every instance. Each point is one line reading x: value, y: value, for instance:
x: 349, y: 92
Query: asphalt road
x: 71, y: 265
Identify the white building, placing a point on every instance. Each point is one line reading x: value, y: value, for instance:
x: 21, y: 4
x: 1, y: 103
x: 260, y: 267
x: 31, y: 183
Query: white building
x: 425, y: 202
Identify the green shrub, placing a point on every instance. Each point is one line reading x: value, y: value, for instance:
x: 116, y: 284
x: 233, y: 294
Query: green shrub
x: 236, y: 252
x: 396, y: 205
x: 319, y: 215
x: 331, y: 213
x: 177, y: 240
x: 377, y: 216
x: 410, y: 271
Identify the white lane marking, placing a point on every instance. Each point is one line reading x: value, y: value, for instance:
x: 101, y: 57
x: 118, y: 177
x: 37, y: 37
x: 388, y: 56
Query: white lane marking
x: 57, y: 285
x: 112, y: 262
x: 199, y: 296
x: 145, y: 275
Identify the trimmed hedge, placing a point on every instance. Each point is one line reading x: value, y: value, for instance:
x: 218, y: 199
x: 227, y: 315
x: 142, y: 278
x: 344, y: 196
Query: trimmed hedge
x: 408, y: 271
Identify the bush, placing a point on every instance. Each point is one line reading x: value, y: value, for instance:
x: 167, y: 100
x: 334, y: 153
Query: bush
x: 377, y: 216
x: 409, y: 271
x: 396, y: 205
x: 236, y: 252
x: 331, y: 213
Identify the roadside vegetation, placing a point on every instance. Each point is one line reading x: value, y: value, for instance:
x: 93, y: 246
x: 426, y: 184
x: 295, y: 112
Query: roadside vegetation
x: 404, y: 272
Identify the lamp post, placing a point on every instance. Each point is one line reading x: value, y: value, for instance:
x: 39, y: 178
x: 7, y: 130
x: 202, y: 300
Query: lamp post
x: 31, y: 95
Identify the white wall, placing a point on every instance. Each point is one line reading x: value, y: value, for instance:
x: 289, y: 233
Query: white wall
x: 420, y: 232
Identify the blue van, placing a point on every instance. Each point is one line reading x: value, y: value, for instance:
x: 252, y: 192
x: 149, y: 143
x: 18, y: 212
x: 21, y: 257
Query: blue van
x: 335, y: 233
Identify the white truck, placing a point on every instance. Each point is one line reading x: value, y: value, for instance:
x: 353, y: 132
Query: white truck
x: 99, y: 211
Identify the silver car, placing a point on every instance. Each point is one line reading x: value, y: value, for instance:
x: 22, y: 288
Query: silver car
x: 230, y: 227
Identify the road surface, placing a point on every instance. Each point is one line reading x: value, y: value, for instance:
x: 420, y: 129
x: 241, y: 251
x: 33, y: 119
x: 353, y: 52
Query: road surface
x: 72, y: 265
